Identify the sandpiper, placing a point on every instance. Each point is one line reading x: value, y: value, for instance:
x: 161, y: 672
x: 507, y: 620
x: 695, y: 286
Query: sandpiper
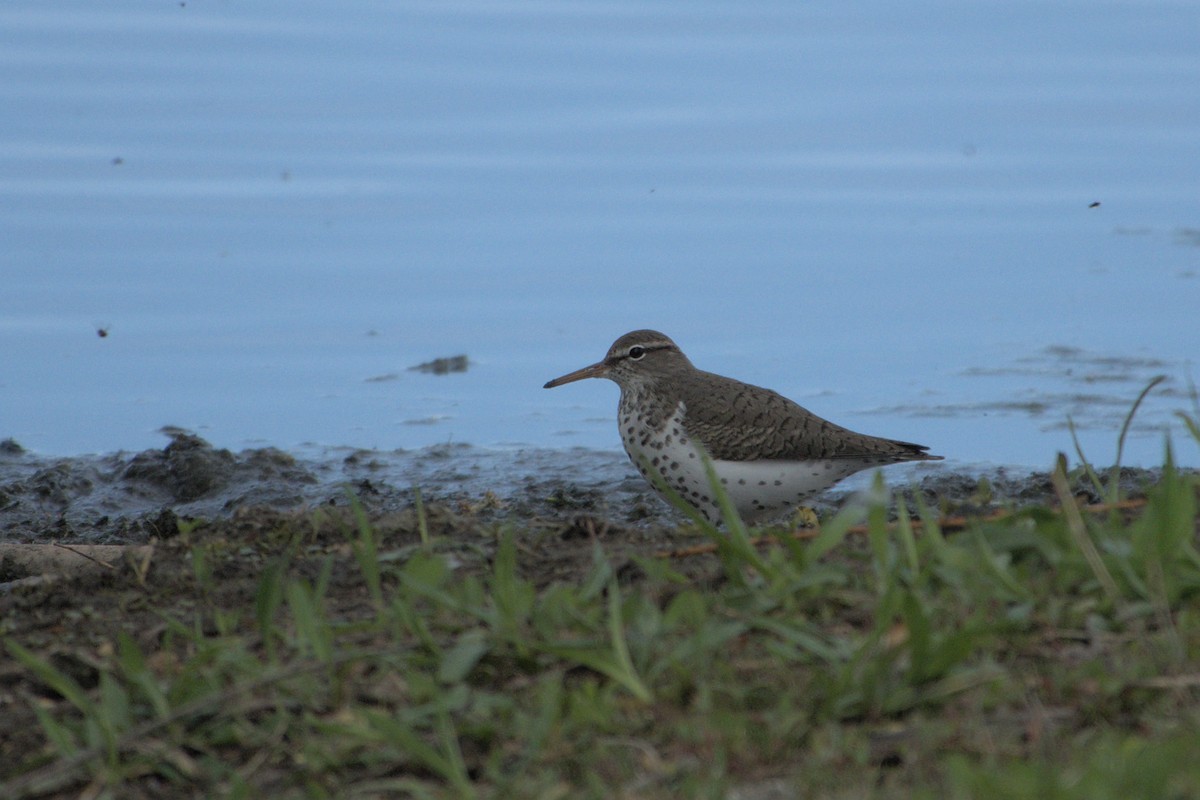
x: 769, y: 453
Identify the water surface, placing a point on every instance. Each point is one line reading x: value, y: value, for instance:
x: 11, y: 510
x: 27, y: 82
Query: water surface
x: 887, y: 212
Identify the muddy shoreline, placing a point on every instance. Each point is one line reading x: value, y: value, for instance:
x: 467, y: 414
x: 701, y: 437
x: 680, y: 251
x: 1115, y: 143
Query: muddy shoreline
x: 129, y: 498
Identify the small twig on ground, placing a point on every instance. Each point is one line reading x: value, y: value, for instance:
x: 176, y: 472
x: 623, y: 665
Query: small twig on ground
x: 78, y: 552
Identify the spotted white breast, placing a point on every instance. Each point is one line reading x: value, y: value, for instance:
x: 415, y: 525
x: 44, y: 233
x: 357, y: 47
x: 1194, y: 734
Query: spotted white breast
x: 759, y: 489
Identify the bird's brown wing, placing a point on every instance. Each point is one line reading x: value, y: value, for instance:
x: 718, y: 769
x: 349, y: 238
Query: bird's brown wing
x: 739, y: 422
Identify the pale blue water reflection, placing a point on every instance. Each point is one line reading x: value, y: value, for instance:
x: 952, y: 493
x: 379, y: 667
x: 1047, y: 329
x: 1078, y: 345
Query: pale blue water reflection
x: 880, y: 210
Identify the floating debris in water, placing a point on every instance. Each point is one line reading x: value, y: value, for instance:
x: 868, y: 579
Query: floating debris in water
x: 1188, y: 236
x: 442, y: 366
x: 430, y: 420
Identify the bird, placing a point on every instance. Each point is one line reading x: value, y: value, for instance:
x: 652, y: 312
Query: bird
x: 769, y: 453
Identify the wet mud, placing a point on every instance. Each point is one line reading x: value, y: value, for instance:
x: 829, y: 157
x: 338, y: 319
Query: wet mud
x: 130, y: 498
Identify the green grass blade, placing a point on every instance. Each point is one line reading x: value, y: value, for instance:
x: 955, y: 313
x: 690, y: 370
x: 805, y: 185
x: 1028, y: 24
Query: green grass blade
x: 311, y: 627
x: 1189, y: 422
x: 366, y: 551
x: 57, y: 680
x: 422, y: 519
x: 1114, y: 486
x: 833, y: 532
x: 1078, y: 530
x: 1097, y: 484
x: 455, y: 766
x: 512, y: 597
x: 268, y: 597
x: 132, y: 663
x: 738, y: 537
x: 908, y: 540
x: 732, y: 553
x: 458, y: 660
x: 991, y: 563
x: 628, y: 676
x: 66, y: 744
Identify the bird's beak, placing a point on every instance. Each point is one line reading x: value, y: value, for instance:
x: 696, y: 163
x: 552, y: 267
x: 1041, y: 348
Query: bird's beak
x: 597, y: 370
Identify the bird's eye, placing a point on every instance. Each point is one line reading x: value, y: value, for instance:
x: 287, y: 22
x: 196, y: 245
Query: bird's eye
x: 636, y: 352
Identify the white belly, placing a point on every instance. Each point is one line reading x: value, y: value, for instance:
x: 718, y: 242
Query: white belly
x: 759, y: 489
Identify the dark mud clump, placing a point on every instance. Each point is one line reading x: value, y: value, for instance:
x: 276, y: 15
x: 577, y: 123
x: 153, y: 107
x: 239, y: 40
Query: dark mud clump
x: 118, y: 498
x: 186, y: 470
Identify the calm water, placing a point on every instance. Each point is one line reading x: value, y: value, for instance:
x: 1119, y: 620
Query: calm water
x: 882, y: 210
